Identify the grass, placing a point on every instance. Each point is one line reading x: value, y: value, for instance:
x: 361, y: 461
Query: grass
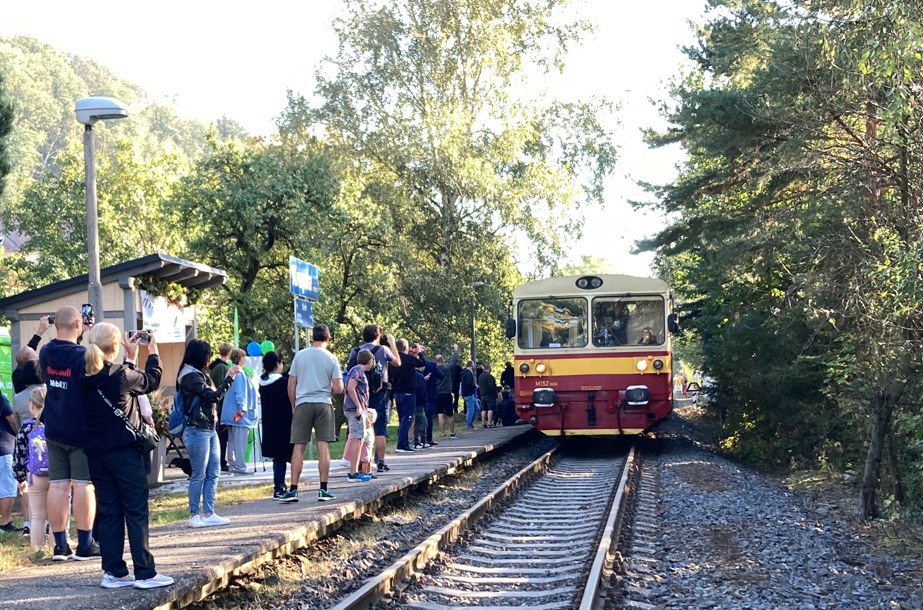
x: 16, y: 552
x: 170, y: 508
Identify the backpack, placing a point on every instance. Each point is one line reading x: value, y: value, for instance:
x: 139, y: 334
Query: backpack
x: 179, y: 414
x: 375, y: 376
x: 37, y: 452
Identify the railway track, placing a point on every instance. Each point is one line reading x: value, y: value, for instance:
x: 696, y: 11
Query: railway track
x: 547, y: 546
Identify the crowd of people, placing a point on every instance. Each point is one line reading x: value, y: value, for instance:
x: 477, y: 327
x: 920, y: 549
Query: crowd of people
x: 383, y: 373
x: 72, y: 440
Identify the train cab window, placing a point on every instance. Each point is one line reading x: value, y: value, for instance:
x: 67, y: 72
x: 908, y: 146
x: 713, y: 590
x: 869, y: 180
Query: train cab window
x: 552, y: 323
x: 628, y: 321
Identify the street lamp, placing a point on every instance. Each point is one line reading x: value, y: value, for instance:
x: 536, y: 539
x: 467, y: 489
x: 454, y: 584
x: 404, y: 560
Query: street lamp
x: 474, y: 351
x: 90, y: 110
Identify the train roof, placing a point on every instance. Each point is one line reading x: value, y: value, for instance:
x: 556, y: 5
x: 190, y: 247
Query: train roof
x: 611, y: 283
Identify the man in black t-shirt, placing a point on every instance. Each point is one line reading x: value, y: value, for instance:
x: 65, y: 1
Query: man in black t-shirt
x: 62, y: 363
x: 404, y: 384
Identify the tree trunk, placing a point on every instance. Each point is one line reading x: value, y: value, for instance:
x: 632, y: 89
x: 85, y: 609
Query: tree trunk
x: 894, y: 459
x: 882, y: 408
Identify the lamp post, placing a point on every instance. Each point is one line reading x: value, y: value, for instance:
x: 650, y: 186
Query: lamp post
x: 474, y: 351
x: 90, y: 110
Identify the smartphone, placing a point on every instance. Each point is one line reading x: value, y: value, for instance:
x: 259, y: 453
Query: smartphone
x: 143, y: 336
x: 87, y: 312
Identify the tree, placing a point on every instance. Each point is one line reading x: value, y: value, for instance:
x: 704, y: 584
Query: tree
x: 134, y: 215
x: 6, y: 128
x: 419, y: 104
x: 249, y: 206
x: 797, y: 233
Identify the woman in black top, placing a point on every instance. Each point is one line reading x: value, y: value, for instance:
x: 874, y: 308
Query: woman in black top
x: 200, y: 436
x: 118, y: 465
x: 277, y: 419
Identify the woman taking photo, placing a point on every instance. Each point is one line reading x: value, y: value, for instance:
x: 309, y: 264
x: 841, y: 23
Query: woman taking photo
x: 277, y: 419
x: 200, y: 436
x: 118, y: 465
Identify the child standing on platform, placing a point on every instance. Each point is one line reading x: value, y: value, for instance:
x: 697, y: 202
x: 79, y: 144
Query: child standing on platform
x: 368, y: 444
x: 31, y: 462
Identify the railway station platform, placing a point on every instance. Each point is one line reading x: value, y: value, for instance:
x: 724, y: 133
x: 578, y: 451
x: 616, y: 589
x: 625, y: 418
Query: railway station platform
x: 202, y: 560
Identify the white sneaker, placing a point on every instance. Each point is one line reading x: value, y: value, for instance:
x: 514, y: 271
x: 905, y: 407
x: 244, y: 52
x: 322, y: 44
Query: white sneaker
x: 161, y: 580
x: 214, y: 519
x: 113, y: 582
x: 344, y: 463
x: 196, y: 521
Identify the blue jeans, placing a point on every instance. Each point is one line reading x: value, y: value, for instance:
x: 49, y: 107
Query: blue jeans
x: 381, y: 402
x: 406, y: 405
x: 472, y: 409
x: 205, y: 459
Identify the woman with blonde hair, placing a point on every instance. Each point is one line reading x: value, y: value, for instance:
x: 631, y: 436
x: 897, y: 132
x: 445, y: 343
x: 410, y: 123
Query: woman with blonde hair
x: 118, y: 464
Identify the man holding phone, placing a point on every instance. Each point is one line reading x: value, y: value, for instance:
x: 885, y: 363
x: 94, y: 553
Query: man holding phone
x: 62, y: 363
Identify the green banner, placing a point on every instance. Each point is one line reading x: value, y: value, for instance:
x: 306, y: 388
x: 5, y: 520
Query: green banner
x: 6, y: 365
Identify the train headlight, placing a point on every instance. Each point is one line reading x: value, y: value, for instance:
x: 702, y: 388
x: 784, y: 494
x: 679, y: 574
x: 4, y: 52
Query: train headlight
x: 541, y: 368
x: 524, y: 368
x: 589, y: 282
x: 641, y: 365
x: 658, y: 365
x: 636, y: 395
x: 543, y: 397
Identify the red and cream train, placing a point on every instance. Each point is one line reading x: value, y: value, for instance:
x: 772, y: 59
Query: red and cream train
x: 592, y: 354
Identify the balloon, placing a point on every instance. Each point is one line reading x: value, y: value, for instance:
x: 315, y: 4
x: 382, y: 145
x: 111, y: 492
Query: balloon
x: 267, y: 346
x: 249, y: 371
x: 253, y: 349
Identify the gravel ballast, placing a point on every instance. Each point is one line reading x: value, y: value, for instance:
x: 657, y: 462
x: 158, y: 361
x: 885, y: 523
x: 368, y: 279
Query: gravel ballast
x: 732, y: 538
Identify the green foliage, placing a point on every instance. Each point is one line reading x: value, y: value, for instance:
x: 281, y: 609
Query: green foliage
x: 246, y: 208
x: 135, y: 217
x: 448, y: 169
x: 796, y: 234
x: 6, y: 127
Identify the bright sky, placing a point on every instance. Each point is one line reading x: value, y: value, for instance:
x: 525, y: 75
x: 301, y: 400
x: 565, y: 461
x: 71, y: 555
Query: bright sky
x: 237, y: 59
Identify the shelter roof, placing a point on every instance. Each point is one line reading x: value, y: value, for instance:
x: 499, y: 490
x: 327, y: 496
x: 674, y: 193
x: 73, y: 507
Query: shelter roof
x: 159, y: 266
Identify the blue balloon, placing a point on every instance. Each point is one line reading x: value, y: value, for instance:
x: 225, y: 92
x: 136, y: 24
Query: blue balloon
x: 253, y: 349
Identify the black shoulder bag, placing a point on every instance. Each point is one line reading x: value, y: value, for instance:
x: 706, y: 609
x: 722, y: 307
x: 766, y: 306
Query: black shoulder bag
x: 146, y: 436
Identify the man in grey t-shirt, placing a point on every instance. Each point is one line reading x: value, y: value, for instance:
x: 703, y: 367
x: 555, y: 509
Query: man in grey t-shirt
x: 313, y: 379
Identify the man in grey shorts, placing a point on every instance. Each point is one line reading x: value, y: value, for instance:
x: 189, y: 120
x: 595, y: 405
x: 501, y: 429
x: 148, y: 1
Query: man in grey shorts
x: 62, y: 364
x: 312, y: 380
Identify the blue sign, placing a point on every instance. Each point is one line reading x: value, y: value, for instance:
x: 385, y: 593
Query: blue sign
x: 303, y: 279
x: 304, y: 313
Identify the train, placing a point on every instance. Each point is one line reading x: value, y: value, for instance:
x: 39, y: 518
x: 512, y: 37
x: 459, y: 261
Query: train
x: 592, y: 354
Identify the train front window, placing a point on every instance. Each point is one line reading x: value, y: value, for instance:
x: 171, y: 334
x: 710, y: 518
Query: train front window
x: 628, y: 321
x: 552, y: 323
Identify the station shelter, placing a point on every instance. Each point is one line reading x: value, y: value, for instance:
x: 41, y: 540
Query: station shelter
x: 130, y: 301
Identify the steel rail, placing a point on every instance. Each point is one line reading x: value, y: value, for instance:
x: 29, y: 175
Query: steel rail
x: 417, y: 558
x: 610, y: 536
